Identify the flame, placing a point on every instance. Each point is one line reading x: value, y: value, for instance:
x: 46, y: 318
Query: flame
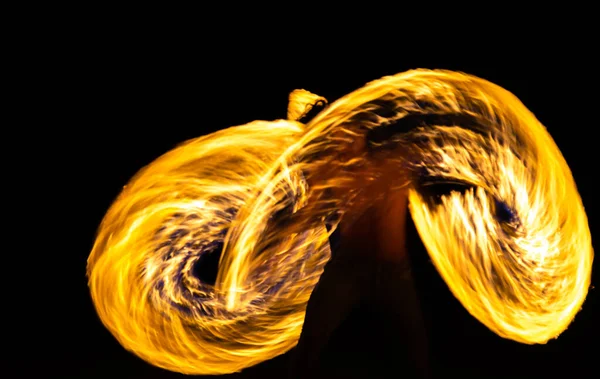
x: 514, y: 247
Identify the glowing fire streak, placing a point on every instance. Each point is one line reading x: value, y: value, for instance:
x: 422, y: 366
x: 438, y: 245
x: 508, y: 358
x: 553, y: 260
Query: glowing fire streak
x: 515, y: 248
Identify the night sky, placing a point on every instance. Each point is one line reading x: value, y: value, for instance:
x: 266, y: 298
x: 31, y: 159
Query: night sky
x: 138, y: 96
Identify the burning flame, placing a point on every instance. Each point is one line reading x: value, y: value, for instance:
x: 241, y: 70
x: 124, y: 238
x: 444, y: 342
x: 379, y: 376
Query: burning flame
x: 513, y: 245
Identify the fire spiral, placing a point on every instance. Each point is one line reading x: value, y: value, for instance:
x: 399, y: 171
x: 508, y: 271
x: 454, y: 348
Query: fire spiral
x: 511, y: 240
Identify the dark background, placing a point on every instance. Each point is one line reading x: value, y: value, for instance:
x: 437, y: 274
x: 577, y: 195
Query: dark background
x: 133, y: 96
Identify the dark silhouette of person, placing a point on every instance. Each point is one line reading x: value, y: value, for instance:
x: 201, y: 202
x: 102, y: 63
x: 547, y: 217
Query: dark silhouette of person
x: 369, y: 268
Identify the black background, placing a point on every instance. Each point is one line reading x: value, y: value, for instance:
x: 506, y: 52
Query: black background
x: 131, y: 96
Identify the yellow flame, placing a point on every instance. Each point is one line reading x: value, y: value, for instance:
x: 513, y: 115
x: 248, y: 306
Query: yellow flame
x: 301, y: 102
x: 515, y: 248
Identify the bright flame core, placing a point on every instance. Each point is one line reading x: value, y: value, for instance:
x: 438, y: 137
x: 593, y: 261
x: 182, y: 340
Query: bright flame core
x: 514, y: 248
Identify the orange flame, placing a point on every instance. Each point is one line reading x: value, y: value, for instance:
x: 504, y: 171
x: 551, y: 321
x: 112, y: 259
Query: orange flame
x: 514, y: 248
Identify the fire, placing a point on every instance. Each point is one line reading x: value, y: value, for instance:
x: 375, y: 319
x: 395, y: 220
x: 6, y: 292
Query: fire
x: 514, y: 246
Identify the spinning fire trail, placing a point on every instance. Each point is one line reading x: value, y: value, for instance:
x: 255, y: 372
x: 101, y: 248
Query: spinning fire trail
x: 513, y: 245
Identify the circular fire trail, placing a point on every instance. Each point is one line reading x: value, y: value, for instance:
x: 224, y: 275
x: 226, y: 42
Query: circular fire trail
x: 510, y: 239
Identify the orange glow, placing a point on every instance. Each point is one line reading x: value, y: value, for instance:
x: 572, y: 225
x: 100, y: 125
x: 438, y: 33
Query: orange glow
x: 524, y: 275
